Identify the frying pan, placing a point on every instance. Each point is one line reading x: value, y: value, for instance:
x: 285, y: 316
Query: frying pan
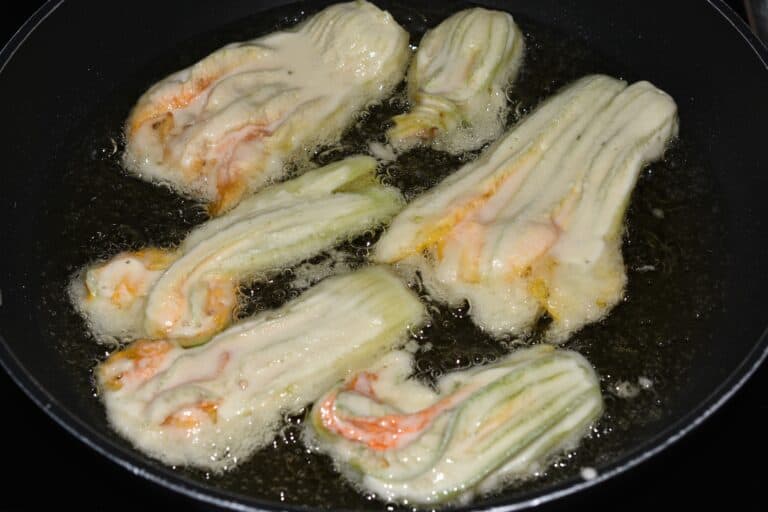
x: 71, y: 63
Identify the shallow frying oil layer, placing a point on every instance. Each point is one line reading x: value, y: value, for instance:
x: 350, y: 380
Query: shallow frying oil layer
x: 643, y: 348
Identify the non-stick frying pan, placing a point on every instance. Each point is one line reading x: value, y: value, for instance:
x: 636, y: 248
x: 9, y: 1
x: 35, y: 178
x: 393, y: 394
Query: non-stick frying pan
x: 76, y: 68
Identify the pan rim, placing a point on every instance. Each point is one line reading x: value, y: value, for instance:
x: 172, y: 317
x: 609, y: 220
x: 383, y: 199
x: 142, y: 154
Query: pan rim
x: 140, y: 466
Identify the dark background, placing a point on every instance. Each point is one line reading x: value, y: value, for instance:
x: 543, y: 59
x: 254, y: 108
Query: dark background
x: 721, y: 459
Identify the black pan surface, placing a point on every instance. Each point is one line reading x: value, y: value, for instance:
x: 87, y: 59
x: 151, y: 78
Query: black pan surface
x: 713, y: 294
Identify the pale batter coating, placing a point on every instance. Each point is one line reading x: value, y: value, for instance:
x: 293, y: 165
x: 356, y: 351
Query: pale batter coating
x: 534, y: 225
x: 458, y: 80
x: 405, y: 442
x: 190, y: 293
x: 229, y: 124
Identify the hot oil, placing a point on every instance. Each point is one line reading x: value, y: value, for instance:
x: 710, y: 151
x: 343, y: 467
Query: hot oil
x: 672, y: 239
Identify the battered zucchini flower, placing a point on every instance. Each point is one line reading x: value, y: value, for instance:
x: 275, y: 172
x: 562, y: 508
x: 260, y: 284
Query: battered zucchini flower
x: 405, y: 442
x: 229, y: 124
x: 211, y: 406
x: 189, y: 293
x: 534, y: 225
x: 457, y: 82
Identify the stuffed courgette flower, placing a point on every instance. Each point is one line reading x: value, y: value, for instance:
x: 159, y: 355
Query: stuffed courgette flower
x: 229, y: 123
x: 211, y: 406
x: 457, y: 82
x: 401, y: 440
x: 535, y: 224
x: 189, y: 293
